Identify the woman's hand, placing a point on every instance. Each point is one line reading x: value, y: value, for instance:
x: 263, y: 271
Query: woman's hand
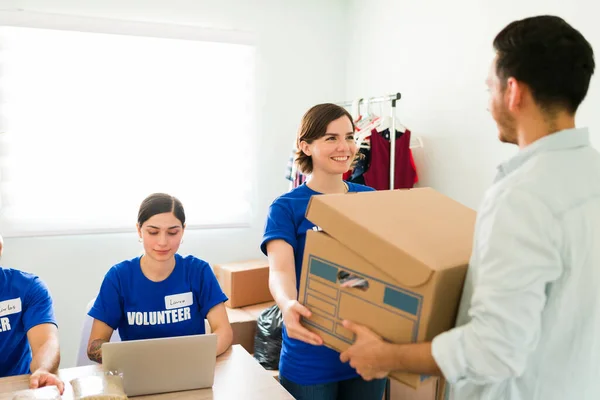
x: 292, y: 312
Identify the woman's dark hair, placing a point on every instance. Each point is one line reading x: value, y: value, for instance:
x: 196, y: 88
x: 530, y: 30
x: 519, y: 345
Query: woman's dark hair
x: 158, y: 203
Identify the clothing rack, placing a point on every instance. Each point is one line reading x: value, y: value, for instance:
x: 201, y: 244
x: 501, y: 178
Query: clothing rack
x: 392, y: 98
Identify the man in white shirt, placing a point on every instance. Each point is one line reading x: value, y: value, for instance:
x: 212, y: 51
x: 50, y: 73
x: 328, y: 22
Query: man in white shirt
x: 529, y: 322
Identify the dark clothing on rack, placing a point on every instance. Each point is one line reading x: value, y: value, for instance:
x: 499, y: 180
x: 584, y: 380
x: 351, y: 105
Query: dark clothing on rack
x: 378, y: 174
x: 360, y: 167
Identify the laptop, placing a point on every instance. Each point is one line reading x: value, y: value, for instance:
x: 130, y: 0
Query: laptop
x: 163, y: 365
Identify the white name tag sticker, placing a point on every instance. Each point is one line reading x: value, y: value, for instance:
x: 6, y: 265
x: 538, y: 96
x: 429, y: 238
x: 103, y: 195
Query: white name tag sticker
x: 11, y: 306
x: 179, y: 300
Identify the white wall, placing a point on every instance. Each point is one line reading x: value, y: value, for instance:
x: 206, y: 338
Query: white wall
x: 437, y: 54
x: 301, y: 61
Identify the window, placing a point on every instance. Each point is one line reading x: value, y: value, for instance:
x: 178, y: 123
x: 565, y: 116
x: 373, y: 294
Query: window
x: 91, y: 123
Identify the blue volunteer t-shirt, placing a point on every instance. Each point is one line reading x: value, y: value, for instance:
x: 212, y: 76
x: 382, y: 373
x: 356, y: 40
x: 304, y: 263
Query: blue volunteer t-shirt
x: 300, y: 362
x: 24, y: 303
x: 142, y: 309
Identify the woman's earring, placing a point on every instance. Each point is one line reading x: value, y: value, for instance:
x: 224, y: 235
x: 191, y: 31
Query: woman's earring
x: 140, y: 240
x: 181, y: 241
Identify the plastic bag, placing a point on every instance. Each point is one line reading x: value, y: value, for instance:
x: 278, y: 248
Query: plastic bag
x: 99, y: 387
x: 267, y: 341
x: 44, y: 393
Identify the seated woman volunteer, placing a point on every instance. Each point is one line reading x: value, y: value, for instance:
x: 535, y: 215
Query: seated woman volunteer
x: 307, y: 369
x: 159, y: 294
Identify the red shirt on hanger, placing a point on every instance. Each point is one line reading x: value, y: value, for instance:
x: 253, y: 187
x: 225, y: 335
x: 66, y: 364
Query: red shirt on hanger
x: 378, y: 174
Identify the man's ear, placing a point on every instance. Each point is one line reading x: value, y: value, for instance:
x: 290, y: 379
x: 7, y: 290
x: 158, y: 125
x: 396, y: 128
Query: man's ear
x: 514, y: 91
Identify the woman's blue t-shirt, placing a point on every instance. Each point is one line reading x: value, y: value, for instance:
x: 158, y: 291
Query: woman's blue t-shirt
x: 300, y: 362
x: 142, y: 309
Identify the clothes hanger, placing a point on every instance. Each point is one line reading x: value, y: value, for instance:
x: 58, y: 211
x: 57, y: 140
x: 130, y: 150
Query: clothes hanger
x: 356, y: 110
x: 364, y: 121
x: 371, y: 120
x: 386, y: 123
x: 363, y: 130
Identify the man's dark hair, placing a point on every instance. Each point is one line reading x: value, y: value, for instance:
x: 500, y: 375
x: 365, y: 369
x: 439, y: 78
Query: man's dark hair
x: 550, y: 56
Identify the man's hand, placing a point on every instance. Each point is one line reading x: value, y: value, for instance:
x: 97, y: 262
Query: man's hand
x: 41, y: 378
x: 367, y: 355
x: 45, y: 354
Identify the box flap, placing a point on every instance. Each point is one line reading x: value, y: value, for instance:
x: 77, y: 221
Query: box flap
x: 436, y: 231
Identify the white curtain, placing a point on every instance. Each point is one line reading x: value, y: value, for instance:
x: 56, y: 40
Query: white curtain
x: 91, y: 123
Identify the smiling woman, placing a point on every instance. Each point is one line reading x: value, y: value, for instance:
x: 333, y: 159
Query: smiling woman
x: 160, y: 294
x: 326, y: 149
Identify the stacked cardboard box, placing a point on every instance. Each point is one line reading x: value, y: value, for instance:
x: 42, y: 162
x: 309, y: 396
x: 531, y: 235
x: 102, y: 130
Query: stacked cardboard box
x: 243, y: 324
x: 246, y: 284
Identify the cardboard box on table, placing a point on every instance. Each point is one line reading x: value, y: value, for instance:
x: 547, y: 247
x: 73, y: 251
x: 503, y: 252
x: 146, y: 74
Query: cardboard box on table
x: 411, y: 246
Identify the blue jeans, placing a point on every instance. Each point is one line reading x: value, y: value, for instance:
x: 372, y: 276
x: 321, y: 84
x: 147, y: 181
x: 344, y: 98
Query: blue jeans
x: 351, y: 389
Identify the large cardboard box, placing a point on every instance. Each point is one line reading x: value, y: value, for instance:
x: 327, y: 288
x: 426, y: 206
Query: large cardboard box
x: 412, y: 249
x: 245, y: 283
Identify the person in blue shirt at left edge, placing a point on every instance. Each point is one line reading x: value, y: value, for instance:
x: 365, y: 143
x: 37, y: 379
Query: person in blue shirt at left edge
x: 159, y: 294
x: 307, y: 369
x: 28, y: 330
